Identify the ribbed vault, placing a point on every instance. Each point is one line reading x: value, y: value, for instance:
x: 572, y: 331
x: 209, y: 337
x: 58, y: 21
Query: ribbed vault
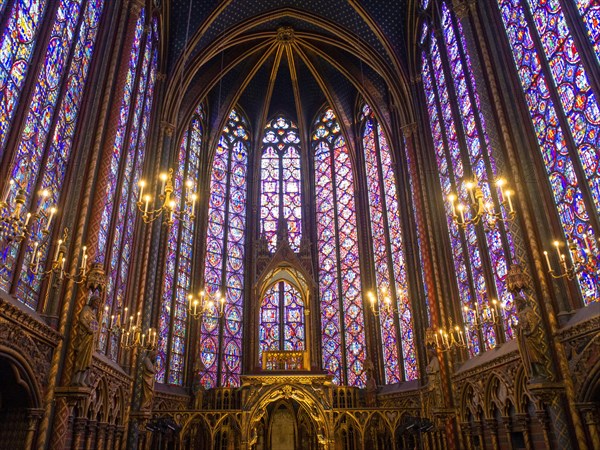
x: 286, y: 56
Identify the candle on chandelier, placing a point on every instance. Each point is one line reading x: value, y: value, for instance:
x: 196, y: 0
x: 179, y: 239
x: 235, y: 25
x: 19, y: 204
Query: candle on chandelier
x: 510, y: 205
x: 194, y: 198
x: 548, y: 261
x: 470, y: 187
x: 83, y: 257
x: 27, y: 217
x: 461, y: 210
x: 163, y: 179
x: 52, y: 212
x: 452, y: 199
x: 557, y: 244
x: 44, y: 195
x: 142, y: 186
x: 147, y: 199
x: 172, y: 205
x: 57, y: 250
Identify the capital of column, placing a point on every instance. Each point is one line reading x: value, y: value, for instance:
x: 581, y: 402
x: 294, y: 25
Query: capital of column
x: 416, y: 79
x: 167, y: 128
x: 409, y: 130
x: 590, y: 413
x: 136, y: 6
x: 461, y: 9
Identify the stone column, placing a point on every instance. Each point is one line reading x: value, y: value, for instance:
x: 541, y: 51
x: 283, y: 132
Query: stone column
x: 110, y: 437
x: 507, y: 423
x: 101, y: 435
x: 33, y: 418
x: 79, y: 425
x: 545, y: 421
x: 591, y: 419
x: 492, y: 426
x: 92, y: 427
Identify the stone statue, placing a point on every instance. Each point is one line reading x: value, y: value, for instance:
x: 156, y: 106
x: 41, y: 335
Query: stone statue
x: 530, y: 340
x: 85, y: 341
x: 371, y: 398
x: 197, y: 387
x: 433, y: 375
x: 148, y: 374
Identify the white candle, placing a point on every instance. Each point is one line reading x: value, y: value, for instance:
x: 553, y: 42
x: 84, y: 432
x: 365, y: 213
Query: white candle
x: 461, y: 209
x: 142, y: 185
x: 57, y: 250
x: 510, y: 206
x: 83, y: 257
x: 548, y: 261
x: 27, y: 217
x: 470, y: 187
x: 163, y: 179
x: 52, y: 211
x: 146, y: 207
x: 194, y: 197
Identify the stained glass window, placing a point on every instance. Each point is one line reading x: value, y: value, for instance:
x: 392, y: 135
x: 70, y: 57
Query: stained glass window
x: 342, y: 320
x: 16, y: 47
x: 126, y: 165
x: 281, y: 319
x: 47, y: 117
x: 221, y: 336
x: 391, y: 296
x: 281, y: 195
x: 463, y: 153
x: 556, y: 85
x: 177, y: 276
x: 590, y: 13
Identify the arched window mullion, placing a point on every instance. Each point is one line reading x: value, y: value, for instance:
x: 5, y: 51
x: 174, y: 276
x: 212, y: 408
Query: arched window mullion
x: 392, y: 279
x: 344, y: 371
x: 564, y: 122
x: 466, y: 254
x: 223, y: 285
x: 173, y: 299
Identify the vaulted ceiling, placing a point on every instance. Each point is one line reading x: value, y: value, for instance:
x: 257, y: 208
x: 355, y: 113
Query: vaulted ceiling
x: 290, y: 56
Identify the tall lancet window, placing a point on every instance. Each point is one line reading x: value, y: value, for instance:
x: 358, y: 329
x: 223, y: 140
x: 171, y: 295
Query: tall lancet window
x: 43, y: 146
x: 340, y: 292
x: 177, y: 278
x: 564, y: 110
x: 221, y: 334
x: 281, y: 199
x: 115, y: 237
x: 391, y: 296
x: 281, y: 319
x: 463, y: 152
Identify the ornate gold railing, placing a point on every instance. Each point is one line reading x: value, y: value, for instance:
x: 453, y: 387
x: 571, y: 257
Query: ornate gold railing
x: 281, y: 360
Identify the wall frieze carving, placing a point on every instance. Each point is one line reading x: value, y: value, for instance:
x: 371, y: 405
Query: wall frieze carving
x: 34, y: 326
x: 38, y: 353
